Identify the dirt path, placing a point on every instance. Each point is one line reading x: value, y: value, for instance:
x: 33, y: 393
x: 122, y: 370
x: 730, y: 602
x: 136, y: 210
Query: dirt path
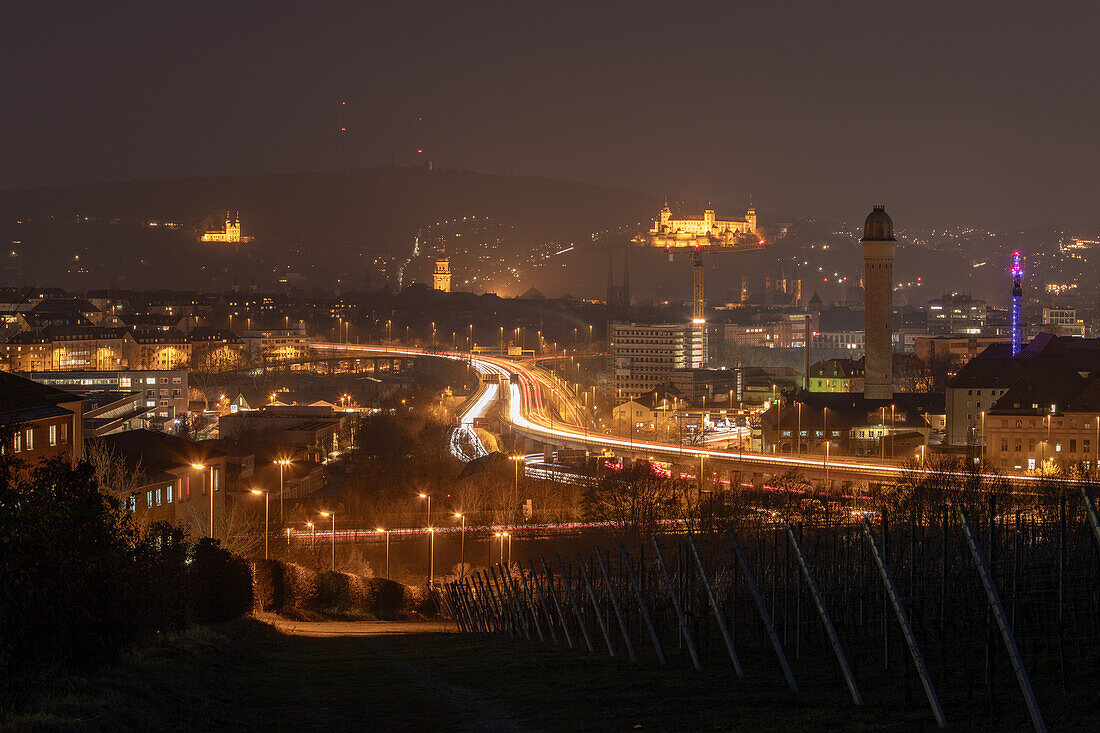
x: 354, y: 628
x: 471, y: 711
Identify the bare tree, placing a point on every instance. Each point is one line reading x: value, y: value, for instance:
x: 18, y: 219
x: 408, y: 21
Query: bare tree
x: 631, y: 503
x: 111, y: 472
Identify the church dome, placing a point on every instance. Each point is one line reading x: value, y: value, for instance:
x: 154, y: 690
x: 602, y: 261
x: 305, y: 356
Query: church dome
x: 878, y: 227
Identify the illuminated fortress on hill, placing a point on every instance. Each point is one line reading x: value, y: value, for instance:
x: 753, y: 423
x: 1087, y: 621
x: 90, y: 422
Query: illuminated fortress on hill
x: 702, y: 231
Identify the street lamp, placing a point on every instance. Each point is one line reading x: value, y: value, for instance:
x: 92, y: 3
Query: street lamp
x: 431, y: 557
x: 882, y: 437
x: 267, y: 504
x: 429, y: 498
x: 200, y: 468
x: 333, y: 515
x: 431, y: 540
x: 387, y: 550
x: 506, y: 536
x: 826, y: 464
x: 892, y: 424
x: 516, y: 459
x: 462, y: 544
x: 312, y: 536
x: 798, y: 430
x: 778, y: 422
x: 282, y: 463
x: 983, y: 436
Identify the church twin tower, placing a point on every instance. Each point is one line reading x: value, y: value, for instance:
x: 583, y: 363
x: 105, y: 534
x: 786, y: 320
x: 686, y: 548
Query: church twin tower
x: 878, y: 288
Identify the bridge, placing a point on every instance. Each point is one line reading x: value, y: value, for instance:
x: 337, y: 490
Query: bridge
x: 529, y: 398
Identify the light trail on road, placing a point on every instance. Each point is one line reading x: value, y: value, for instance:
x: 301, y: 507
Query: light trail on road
x: 527, y: 412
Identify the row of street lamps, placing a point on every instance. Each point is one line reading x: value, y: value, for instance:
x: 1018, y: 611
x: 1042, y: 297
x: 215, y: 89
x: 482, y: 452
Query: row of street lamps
x: 380, y: 530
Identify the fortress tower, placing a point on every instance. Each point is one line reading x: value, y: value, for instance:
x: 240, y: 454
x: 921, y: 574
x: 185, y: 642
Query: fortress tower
x: 878, y: 283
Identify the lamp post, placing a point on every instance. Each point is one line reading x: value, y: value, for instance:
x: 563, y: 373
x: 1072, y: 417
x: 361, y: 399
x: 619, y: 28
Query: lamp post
x: 499, y: 536
x: 1042, y: 459
x: 778, y: 421
x: 826, y: 465
x: 516, y: 459
x: 431, y: 540
x: 983, y: 436
x: 267, y: 504
x: 312, y: 536
x: 429, y: 498
x: 462, y: 544
x: 282, y: 463
x: 892, y: 425
x: 387, y: 550
x: 701, y: 457
x: 333, y: 515
x: 798, y: 430
x: 431, y: 557
x: 507, y: 536
x: 882, y: 437
x: 200, y: 468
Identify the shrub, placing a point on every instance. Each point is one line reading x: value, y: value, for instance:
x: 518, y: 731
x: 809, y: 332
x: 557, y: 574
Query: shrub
x: 220, y: 583
x: 295, y: 590
x: 81, y: 583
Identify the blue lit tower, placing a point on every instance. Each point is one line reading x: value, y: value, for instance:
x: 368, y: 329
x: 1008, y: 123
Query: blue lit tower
x: 1017, y: 297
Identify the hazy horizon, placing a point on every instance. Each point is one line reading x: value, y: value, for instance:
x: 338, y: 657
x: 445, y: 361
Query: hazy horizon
x: 950, y: 115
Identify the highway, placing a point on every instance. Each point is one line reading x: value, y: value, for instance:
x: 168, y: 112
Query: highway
x: 530, y: 391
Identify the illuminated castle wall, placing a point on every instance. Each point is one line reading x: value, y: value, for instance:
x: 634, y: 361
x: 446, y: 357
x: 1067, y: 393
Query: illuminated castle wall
x: 701, y: 231
x: 232, y: 232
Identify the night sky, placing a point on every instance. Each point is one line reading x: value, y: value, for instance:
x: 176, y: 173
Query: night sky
x: 984, y: 115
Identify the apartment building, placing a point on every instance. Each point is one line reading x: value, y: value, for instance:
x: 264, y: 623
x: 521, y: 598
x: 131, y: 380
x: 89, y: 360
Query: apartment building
x: 42, y: 421
x: 278, y: 344
x: 643, y: 356
x: 164, y: 391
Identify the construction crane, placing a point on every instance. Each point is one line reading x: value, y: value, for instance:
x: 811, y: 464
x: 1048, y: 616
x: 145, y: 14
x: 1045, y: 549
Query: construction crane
x: 699, y: 233
x: 698, y: 314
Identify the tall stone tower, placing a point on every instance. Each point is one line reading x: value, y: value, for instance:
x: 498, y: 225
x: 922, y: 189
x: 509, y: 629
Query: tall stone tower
x: 878, y: 286
x: 441, y: 276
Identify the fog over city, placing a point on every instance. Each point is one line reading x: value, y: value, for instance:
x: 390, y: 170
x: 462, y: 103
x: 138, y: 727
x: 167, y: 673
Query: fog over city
x: 576, y: 366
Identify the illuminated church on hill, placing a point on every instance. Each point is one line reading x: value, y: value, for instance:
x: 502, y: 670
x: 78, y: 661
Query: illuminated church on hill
x: 232, y: 232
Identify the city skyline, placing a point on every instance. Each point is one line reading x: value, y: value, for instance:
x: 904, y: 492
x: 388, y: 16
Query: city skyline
x: 584, y: 366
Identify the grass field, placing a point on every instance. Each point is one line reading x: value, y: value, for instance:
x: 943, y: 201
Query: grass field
x: 248, y: 675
